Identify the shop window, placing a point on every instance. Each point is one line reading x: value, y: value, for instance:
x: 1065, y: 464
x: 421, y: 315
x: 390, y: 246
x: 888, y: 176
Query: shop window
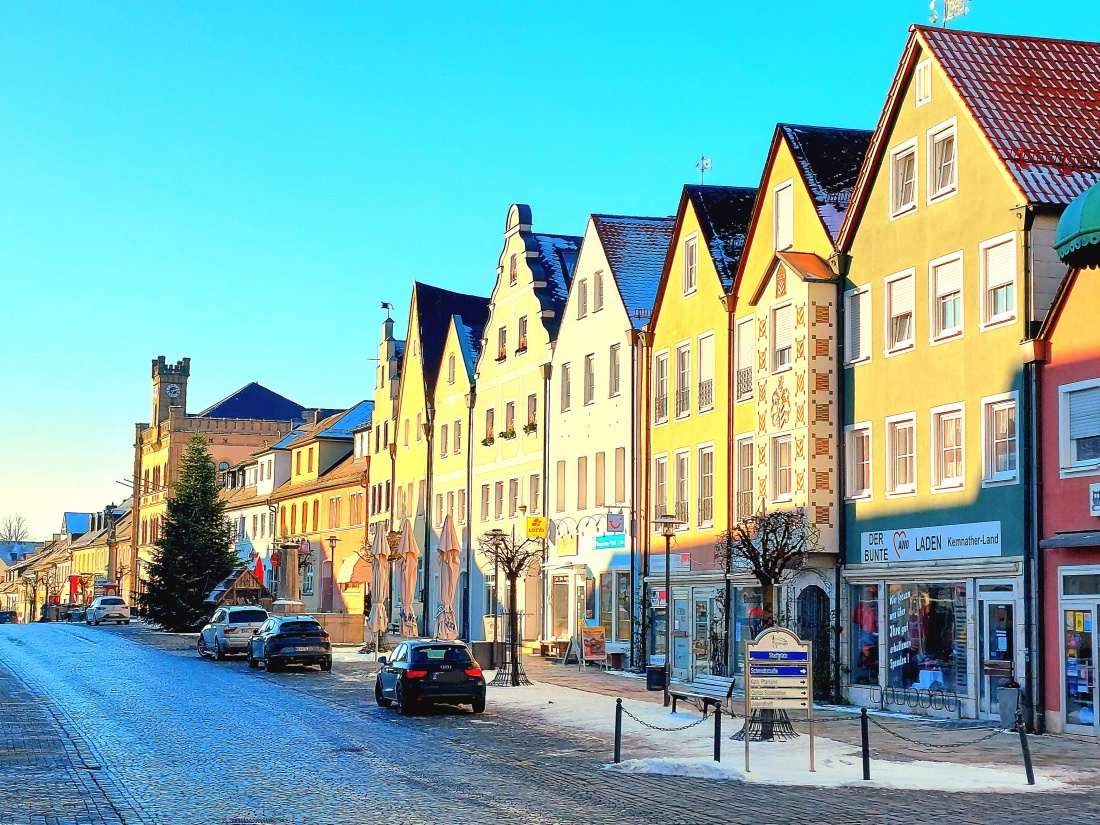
x: 863, y: 634
x: 748, y: 621
x: 622, y: 607
x: 927, y: 636
x: 607, y: 615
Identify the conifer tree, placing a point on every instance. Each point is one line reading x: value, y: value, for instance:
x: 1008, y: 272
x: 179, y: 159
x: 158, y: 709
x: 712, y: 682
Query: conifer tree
x: 194, y: 551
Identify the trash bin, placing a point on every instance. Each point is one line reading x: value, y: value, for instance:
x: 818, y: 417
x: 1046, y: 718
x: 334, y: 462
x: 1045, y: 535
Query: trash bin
x: 655, y: 677
x: 1008, y: 701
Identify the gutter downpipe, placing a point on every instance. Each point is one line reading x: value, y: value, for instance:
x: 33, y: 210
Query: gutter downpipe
x: 840, y: 263
x: 547, y: 370
x: 641, y: 495
x: 471, y: 398
x: 729, y: 303
x: 426, y: 588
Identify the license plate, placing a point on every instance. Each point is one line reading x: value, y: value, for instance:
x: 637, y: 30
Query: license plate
x: 301, y: 649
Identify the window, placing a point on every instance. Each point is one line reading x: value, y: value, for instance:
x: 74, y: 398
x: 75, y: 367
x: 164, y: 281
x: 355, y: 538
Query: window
x: 510, y: 417
x: 443, y: 441
x: 1000, y: 438
x: 784, y: 216
x: 316, y: 514
x: 489, y: 422
x: 746, y: 349
x: 781, y: 468
x: 899, y: 313
x: 600, y: 493
x: 597, y: 291
x: 307, y: 581
x: 706, y: 373
x: 462, y: 506
x: 782, y: 337
x: 1080, y: 425
x: 857, y: 325
x: 521, y: 344
x: 942, y: 163
x: 705, y: 508
x: 502, y: 343
x: 998, y: 261
x: 622, y: 607
x: 903, y: 179
x: 532, y: 410
x: 458, y: 437
x: 858, y: 483
x: 582, y: 483
x: 660, y: 488
x: 589, y: 379
x: 620, y: 475
x: 691, y: 265
x: 566, y: 391
x: 491, y: 604
x: 607, y: 615
x: 901, y: 455
x: 513, y: 497
x: 309, y: 461
x: 293, y: 519
x: 682, y: 488
x: 439, y: 508
x: 513, y: 269
x: 559, y: 495
x: 582, y: 297
x: 922, y: 84
x: 946, y: 278
x: 406, y: 432
x: 683, y: 380
x: 334, y: 511
x: 297, y: 465
x: 484, y: 502
x: 534, y: 498
x: 419, y: 427
x: 613, y: 370
x: 450, y: 369
x: 745, y: 476
x: 498, y: 498
x: 660, y: 388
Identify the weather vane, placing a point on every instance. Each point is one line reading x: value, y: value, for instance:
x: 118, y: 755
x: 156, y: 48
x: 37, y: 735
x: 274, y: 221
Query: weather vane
x: 703, y: 166
x: 388, y: 307
x: 951, y: 10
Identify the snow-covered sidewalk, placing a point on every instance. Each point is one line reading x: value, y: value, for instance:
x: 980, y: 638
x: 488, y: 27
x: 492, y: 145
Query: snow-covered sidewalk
x: 689, y: 752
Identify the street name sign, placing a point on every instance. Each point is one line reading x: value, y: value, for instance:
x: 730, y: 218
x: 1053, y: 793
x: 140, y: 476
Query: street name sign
x: 779, y: 676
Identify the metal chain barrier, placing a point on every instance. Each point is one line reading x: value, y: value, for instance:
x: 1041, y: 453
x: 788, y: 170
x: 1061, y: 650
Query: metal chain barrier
x: 646, y: 724
x: 947, y: 745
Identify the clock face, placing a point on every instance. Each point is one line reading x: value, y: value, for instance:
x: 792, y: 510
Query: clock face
x: 173, y: 391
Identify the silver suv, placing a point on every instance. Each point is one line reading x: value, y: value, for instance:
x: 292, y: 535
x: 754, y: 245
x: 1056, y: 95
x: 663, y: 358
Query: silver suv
x: 107, y: 609
x: 229, y: 630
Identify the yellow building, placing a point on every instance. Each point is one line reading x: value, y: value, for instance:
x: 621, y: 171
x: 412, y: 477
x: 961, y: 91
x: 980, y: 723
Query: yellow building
x: 379, y: 442
x: 688, y: 411
x: 91, y: 554
x: 513, y: 383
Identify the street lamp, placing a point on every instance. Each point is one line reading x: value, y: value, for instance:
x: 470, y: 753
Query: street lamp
x: 667, y: 525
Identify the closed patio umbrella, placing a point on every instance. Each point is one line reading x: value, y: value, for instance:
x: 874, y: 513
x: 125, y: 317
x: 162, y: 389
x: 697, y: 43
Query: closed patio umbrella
x: 446, y: 625
x: 379, y: 582
x: 408, y: 555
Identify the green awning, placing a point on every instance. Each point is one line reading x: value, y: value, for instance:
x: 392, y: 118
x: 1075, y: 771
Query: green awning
x: 1077, y: 240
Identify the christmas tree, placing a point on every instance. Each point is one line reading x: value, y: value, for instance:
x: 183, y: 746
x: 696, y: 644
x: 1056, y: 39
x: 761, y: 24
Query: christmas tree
x: 194, y: 551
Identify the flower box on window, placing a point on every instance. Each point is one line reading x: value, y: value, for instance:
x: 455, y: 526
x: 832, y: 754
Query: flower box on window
x: 487, y: 441
x: 507, y: 434
x: 530, y: 428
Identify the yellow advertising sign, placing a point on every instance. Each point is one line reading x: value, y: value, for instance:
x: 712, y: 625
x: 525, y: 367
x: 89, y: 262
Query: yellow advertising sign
x: 536, y: 527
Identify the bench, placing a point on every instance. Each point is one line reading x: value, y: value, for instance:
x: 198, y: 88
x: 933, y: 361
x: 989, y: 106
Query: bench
x: 707, y: 690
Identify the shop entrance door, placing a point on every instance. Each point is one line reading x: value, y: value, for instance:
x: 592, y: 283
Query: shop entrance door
x: 996, y: 636
x: 559, y: 599
x: 702, y: 646
x: 1079, y: 657
x: 681, y: 638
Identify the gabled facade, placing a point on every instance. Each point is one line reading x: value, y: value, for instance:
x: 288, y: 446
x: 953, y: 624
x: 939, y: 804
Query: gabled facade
x: 688, y: 433
x: 949, y: 267
x: 380, y: 443
x: 512, y: 378
x: 594, y: 435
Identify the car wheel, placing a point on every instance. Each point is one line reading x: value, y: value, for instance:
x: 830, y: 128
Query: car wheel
x: 479, y: 705
x: 252, y: 663
x: 326, y: 665
x: 381, y: 700
x: 218, y: 655
x: 404, y: 707
x: 201, y: 647
x: 126, y: 622
x: 95, y: 622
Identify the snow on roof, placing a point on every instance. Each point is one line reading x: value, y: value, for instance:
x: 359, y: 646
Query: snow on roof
x: 557, y: 257
x: 469, y: 342
x: 830, y: 159
x: 435, y: 306
x: 635, y: 249
x: 724, y: 213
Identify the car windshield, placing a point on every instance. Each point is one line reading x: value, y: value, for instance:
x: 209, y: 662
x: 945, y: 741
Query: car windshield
x: 441, y: 653
x: 112, y: 601
x: 247, y: 616
x: 299, y: 627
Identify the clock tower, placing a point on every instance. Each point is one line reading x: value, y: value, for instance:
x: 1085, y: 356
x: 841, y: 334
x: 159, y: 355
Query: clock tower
x: 169, y: 387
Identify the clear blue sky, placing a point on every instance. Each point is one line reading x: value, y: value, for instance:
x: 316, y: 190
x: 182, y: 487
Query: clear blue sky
x: 243, y: 183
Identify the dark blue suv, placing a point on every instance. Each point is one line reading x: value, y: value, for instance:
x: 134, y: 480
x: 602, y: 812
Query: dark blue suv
x: 427, y: 672
x: 290, y: 640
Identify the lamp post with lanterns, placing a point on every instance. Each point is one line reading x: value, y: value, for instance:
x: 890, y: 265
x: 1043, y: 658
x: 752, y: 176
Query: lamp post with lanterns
x: 667, y: 525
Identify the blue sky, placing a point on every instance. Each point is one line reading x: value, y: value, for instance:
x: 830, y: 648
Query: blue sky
x: 243, y: 183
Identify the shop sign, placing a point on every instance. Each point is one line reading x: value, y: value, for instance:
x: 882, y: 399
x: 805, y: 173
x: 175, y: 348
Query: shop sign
x: 1094, y: 499
x: 658, y: 598
x: 616, y: 523
x: 779, y: 676
x: 950, y: 541
x: 566, y: 545
x: 610, y: 542
x: 536, y: 527
x: 680, y: 563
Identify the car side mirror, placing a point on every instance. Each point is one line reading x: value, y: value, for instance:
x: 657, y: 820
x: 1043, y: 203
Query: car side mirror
x: 381, y: 660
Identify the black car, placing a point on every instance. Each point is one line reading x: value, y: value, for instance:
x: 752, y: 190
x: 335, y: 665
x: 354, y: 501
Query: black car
x: 423, y: 673
x: 290, y: 640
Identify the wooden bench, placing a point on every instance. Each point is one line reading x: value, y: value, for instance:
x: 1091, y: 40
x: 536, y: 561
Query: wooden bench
x: 707, y: 690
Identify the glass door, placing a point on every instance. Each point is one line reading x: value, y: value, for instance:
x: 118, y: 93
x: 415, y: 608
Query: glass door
x: 681, y: 638
x: 1079, y: 669
x: 998, y: 653
x: 702, y: 644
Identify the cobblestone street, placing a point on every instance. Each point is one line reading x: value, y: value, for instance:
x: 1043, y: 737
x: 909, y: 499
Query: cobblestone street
x: 99, y: 729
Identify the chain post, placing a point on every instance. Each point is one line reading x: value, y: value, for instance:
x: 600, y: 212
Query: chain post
x: 1025, y: 747
x: 718, y: 733
x: 864, y: 743
x: 618, y: 729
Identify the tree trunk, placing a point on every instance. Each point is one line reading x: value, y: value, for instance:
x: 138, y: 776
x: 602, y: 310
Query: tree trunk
x: 767, y: 592
x: 513, y: 628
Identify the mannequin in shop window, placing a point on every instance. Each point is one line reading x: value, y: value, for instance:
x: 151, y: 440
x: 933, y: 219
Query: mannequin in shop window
x: 865, y: 628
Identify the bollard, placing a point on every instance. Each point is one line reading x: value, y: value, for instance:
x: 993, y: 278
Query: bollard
x: 1025, y: 747
x: 864, y: 743
x: 718, y: 733
x: 618, y: 729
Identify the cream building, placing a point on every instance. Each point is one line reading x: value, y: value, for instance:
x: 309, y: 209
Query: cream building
x: 379, y: 442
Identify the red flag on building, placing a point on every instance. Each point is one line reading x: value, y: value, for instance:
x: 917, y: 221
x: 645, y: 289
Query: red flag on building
x: 259, y: 571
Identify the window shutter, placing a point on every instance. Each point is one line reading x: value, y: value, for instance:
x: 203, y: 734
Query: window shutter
x: 1084, y: 413
x: 901, y: 296
x: 745, y: 345
x: 949, y: 278
x: 783, y: 330
x: 1000, y: 264
x: 706, y: 358
x: 855, y: 326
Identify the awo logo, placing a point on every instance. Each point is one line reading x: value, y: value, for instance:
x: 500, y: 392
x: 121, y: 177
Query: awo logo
x: 901, y: 542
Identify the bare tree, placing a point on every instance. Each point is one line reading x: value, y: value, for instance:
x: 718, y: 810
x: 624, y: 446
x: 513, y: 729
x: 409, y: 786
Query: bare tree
x: 35, y: 581
x: 14, y: 528
x: 767, y: 546
x: 513, y: 559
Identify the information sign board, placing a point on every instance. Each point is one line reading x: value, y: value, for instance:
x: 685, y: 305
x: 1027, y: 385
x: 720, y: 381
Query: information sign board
x: 779, y: 676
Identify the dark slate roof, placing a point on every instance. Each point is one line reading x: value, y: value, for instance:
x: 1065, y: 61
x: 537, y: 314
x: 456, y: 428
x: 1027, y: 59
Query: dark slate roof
x: 830, y: 160
x: 635, y: 249
x: 255, y: 401
x: 724, y: 213
x: 1035, y: 99
x: 469, y: 341
x: 557, y: 257
x: 345, y: 424
x: 435, y: 307
x: 296, y: 435
x: 76, y: 523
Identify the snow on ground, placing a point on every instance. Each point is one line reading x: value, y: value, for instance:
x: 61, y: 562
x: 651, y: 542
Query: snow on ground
x: 689, y: 752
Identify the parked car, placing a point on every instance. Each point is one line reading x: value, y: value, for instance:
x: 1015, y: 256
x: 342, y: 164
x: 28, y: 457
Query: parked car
x: 289, y: 640
x: 229, y: 630
x: 7, y: 617
x: 426, y: 672
x: 107, y: 609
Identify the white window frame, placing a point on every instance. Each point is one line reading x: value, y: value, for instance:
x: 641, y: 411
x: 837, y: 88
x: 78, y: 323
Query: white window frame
x: 589, y: 380
x: 893, y: 490
x: 699, y: 348
x: 865, y: 317
x: 776, y: 368
x: 773, y: 466
x: 660, y: 508
x: 932, y: 193
x: 565, y: 387
x: 989, y: 404
x: 685, y: 456
x: 994, y: 321
x: 1067, y: 468
x: 888, y: 315
x: 682, y: 347
x: 700, y: 451
x: 922, y: 83
x: 902, y: 149
x: 850, y: 432
x: 941, y: 484
x: 597, y: 291
x: 936, y: 335
x: 787, y: 185
x: 614, y: 370
x: 750, y: 321
x: 739, y: 444
x: 582, y: 298
x: 689, y: 270
x: 658, y: 358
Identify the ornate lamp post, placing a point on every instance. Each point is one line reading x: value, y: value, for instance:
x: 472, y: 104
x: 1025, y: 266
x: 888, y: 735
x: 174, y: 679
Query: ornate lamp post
x: 667, y: 525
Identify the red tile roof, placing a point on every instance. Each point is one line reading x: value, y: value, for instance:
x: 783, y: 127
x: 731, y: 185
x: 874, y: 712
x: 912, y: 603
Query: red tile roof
x: 1037, y: 101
